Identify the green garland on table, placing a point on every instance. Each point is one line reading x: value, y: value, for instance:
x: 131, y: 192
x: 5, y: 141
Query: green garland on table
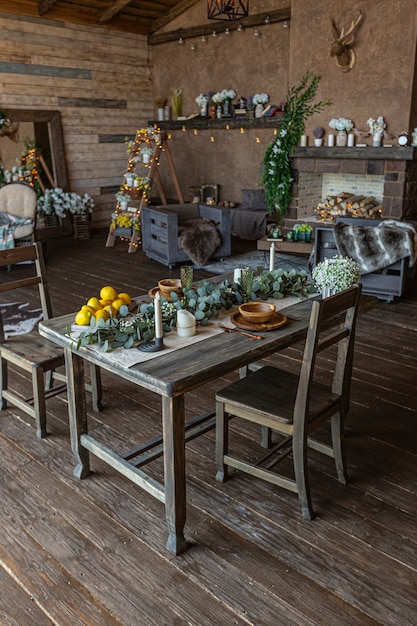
x: 276, y: 167
x: 205, y: 302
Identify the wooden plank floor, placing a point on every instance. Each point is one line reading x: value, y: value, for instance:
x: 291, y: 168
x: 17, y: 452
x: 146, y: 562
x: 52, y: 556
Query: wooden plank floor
x: 92, y: 552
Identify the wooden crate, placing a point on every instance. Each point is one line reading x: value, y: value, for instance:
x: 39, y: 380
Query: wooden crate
x: 82, y: 226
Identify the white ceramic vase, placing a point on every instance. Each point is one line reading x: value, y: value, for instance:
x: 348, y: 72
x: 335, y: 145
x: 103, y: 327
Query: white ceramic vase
x: 341, y: 139
x: 259, y: 110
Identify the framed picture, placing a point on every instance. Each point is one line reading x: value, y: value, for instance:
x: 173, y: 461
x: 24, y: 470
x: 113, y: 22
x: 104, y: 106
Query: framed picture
x: 210, y: 194
x: 196, y: 194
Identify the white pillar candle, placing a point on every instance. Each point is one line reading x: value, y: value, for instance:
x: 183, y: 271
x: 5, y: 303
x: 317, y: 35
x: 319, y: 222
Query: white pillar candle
x: 237, y: 274
x: 271, y: 256
x: 158, y: 316
x: 330, y: 141
x: 303, y: 141
x: 185, y: 323
x: 351, y: 140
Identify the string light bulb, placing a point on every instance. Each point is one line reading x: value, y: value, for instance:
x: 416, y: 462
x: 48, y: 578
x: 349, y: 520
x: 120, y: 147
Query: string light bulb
x: 227, y: 31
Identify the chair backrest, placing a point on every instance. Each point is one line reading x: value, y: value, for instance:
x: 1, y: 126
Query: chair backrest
x: 34, y: 274
x: 18, y: 199
x: 332, y: 323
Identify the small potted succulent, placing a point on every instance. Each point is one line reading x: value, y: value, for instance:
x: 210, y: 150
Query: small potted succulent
x: 318, y: 134
x: 146, y: 153
x: 302, y: 232
x: 123, y: 198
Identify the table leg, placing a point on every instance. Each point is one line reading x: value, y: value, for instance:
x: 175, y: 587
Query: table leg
x: 77, y: 410
x: 173, y: 423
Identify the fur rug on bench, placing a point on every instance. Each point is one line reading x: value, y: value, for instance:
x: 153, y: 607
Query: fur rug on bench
x: 199, y: 239
x: 376, y: 247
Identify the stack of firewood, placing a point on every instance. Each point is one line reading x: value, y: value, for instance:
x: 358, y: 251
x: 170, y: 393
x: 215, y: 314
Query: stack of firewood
x: 349, y: 205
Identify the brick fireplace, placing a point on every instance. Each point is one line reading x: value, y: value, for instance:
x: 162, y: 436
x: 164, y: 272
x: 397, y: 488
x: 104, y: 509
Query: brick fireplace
x: 390, y: 174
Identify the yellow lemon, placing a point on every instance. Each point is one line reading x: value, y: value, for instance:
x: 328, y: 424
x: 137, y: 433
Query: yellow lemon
x: 104, y: 303
x: 116, y: 304
x: 85, y: 307
x: 125, y: 296
x: 94, y: 303
x: 82, y: 318
x: 110, y: 310
x: 102, y: 314
x: 108, y: 293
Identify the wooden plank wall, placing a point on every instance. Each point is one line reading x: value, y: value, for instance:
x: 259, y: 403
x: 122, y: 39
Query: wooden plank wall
x: 99, y: 80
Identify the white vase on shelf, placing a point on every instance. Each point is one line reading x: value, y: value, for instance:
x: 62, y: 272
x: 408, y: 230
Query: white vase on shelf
x: 341, y: 139
x: 259, y: 110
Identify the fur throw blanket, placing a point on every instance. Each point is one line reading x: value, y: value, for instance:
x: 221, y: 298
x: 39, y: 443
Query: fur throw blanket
x: 199, y: 238
x: 376, y: 247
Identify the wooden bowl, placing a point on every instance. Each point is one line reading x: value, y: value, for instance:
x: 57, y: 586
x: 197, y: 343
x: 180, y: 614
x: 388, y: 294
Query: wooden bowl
x: 257, y: 312
x: 168, y: 285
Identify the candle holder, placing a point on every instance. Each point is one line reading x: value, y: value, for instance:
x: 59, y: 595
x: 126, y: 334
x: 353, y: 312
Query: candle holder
x: 152, y: 346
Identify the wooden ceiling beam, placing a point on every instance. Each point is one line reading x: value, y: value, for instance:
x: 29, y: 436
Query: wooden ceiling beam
x: 45, y: 5
x: 172, y: 14
x: 260, y: 19
x: 118, y: 6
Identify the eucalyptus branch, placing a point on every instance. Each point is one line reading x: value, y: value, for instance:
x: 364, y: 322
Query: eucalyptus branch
x: 276, y: 164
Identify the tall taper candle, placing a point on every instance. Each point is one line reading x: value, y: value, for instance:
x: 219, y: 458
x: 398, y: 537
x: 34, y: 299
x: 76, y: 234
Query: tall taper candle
x: 158, y: 316
x: 271, y: 256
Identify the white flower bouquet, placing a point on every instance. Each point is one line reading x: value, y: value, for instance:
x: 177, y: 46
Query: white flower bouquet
x: 260, y: 98
x: 218, y: 97
x: 202, y: 99
x: 122, y: 196
x: 60, y: 203
x: 228, y: 94
x: 335, y: 274
x: 341, y: 123
x: 376, y: 126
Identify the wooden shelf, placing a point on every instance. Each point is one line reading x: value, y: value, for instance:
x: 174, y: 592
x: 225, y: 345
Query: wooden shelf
x: 205, y: 123
x: 293, y: 247
x: 405, y: 153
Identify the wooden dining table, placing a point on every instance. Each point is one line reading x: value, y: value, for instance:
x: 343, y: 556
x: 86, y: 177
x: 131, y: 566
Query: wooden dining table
x: 170, y: 375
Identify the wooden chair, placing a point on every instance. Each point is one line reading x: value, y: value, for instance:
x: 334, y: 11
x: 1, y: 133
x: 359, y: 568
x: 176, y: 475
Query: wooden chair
x: 19, y: 201
x: 30, y: 352
x: 296, y: 405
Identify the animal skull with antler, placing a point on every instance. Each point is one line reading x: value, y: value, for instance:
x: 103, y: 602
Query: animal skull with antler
x: 341, y: 47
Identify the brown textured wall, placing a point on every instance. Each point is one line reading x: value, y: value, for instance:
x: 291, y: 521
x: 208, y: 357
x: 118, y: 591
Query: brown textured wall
x: 241, y: 61
x: 381, y: 82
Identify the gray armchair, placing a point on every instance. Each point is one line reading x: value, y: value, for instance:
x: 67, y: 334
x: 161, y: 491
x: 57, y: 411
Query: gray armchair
x: 162, y: 228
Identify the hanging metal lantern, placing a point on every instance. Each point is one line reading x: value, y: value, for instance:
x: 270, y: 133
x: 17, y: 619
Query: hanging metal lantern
x: 227, y: 9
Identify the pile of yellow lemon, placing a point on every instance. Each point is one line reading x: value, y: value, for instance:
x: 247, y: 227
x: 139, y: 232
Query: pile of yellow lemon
x: 107, y: 305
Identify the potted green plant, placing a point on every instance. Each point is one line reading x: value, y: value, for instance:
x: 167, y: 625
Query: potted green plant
x: 123, y: 198
x: 146, y: 153
x: 302, y: 232
x: 276, y: 165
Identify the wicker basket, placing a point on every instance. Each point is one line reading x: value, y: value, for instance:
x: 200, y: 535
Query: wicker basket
x: 82, y: 229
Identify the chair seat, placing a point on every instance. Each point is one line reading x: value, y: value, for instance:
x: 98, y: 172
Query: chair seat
x: 275, y: 395
x: 24, y: 231
x: 31, y: 350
